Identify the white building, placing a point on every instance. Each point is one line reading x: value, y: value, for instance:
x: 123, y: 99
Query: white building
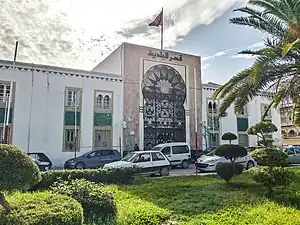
x: 236, y: 124
x: 45, y: 101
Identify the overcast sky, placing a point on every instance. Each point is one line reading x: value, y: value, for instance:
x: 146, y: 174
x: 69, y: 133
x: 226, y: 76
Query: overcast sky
x: 80, y: 33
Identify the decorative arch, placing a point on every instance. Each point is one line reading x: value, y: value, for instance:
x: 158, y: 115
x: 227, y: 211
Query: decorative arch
x: 283, y: 134
x: 106, y: 102
x: 164, y: 94
x: 292, y: 133
x: 99, y: 101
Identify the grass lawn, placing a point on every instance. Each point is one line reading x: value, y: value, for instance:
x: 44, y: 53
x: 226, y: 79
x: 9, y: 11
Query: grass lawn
x: 205, y: 200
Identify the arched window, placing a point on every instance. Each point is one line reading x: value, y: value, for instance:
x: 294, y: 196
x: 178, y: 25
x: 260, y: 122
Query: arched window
x: 106, y: 102
x: 215, y: 107
x: 292, y: 133
x: 99, y: 101
x: 209, y: 107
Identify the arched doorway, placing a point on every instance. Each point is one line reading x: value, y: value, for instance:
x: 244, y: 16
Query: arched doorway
x: 164, y: 94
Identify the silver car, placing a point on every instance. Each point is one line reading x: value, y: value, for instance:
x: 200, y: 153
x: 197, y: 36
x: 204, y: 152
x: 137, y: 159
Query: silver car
x: 93, y: 159
x: 294, y: 154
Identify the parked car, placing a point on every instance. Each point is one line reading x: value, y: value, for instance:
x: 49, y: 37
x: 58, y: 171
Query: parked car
x: 43, y: 161
x: 294, y: 154
x: 150, y: 162
x: 178, y: 153
x: 93, y: 159
x: 209, y: 162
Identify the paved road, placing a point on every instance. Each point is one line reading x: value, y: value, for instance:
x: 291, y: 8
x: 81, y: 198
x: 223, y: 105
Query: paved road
x: 177, y: 172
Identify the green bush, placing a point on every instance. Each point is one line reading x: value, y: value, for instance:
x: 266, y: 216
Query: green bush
x: 277, y: 176
x: 95, y: 200
x: 270, y: 157
x: 42, y: 208
x: 18, y: 172
x: 231, y: 151
x: 229, y: 137
x: 225, y: 170
x: 108, y: 176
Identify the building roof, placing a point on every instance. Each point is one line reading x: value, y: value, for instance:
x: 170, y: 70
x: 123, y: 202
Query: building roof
x: 21, y: 66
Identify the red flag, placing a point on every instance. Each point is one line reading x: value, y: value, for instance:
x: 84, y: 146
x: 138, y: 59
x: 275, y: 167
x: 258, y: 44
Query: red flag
x: 158, y: 20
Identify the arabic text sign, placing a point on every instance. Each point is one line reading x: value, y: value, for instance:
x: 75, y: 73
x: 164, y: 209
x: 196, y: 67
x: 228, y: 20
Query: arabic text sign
x: 164, y: 55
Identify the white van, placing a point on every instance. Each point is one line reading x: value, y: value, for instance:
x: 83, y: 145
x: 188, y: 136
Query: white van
x: 178, y: 153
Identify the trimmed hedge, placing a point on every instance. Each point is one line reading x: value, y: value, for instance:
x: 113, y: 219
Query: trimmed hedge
x: 225, y: 170
x: 18, y: 170
x: 42, y: 208
x: 107, y: 176
x: 95, y: 200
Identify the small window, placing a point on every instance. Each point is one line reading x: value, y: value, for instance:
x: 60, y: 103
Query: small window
x: 297, y: 150
x: 99, y: 101
x: 180, y: 149
x: 70, y: 139
x: 166, y: 151
x: 157, y: 156
x: 73, y: 98
x: 107, y: 153
x: 144, y: 157
x: 106, y: 102
x: 92, y: 154
x: 102, y: 138
x: 4, y: 92
x: 290, y: 151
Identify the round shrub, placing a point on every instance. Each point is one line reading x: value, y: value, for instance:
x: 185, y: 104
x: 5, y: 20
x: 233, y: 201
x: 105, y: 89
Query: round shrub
x: 18, y: 170
x: 225, y: 170
x: 42, y: 208
x: 231, y: 151
x: 229, y: 137
x: 95, y: 200
x: 270, y: 157
x: 278, y: 176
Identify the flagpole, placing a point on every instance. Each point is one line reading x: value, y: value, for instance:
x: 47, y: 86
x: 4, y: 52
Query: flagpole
x: 196, y: 120
x: 75, y: 127
x: 162, y: 31
x: 10, y: 96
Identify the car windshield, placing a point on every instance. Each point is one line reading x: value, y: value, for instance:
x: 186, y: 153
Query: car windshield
x: 130, y: 157
x: 210, y: 153
x: 156, y: 149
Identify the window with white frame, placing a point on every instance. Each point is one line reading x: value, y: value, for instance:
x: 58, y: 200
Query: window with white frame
x: 244, y: 111
x: 71, y: 137
x: 103, y: 101
x: 243, y: 140
x: 72, y: 97
x: 102, y: 138
x: 8, y: 134
x: 99, y: 101
x: 4, y: 92
x: 264, y: 109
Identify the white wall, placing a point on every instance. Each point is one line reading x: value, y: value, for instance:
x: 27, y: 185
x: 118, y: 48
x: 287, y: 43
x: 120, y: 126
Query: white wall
x: 229, y: 123
x: 113, y: 62
x: 47, y: 114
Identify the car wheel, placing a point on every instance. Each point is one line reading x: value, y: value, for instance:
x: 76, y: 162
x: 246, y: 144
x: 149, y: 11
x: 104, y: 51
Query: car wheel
x: 79, y: 165
x: 185, y: 164
x: 250, y: 164
x: 164, y: 172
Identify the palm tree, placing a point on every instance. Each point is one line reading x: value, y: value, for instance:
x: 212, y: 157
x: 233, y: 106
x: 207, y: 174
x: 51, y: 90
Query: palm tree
x: 277, y: 64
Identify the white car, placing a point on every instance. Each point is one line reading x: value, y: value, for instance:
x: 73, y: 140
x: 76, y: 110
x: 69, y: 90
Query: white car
x: 150, y: 162
x: 178, y: 153
x: 209, y: 162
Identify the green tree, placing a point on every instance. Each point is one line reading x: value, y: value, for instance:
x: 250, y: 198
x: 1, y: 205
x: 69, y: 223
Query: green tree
x: 271, y: 159
x: 229, y: 137
x: 231, y: 152
x: 17, y: 172
x: 262, y: 130
x: 276, y: 65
